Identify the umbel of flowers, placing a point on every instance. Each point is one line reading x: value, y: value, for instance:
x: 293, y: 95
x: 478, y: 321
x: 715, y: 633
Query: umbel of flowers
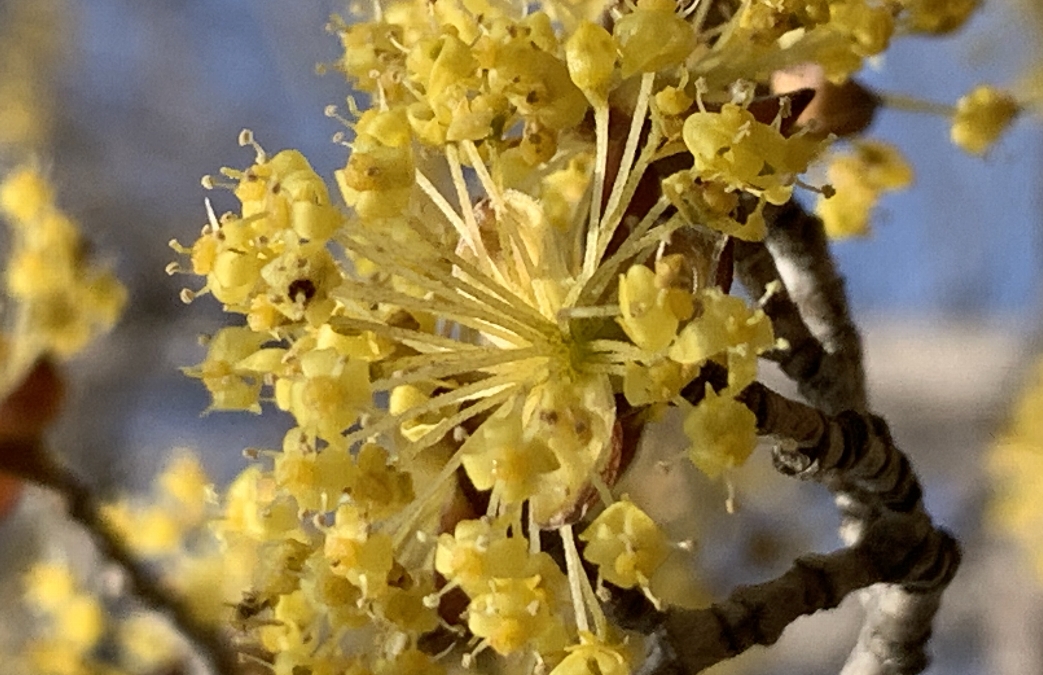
x: 539, y: 200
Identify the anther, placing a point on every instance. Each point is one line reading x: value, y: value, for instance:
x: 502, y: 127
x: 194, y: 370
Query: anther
x: 246, y: 137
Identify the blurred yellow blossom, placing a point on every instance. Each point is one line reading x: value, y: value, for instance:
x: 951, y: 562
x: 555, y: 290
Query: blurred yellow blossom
x: 981, y: 116
x: 858, y: 180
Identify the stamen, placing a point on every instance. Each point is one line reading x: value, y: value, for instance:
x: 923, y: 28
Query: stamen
x: 574, y: 569
x: 210, y: 183
x: 510, y: 302
x: 246, y: 137
x: 534, y: 532
x: 589, y: 312
x: 490, y: 187
x: 637, y: 122
x: 459, y: 312
x: 415, y: 509
x: 464, y: 198
x: 700, y: 17
x: 700, y: 88
x: 597, y: 194
x: 444, y: 365
x: 916, y: 105
x: 435, y: 433
x: 520, y: 251
x: 452, y: 216
x: 331, y: 112
x: 457, y: 290
x: 475, y: 390
x: 639, y: 238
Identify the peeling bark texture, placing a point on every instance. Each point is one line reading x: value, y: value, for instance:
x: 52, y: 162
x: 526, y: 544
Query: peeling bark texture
x: 800, y: 252
x: 803, y: 357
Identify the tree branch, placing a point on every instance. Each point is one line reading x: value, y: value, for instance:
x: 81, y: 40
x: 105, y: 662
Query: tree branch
x: 30, y: 460
x: 802, y: 359
x: 799, y: 249
x: 881, y: 501
x: 896, y: 548
x: 897, y: 620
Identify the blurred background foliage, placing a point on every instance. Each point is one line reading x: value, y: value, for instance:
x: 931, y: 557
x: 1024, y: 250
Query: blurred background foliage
x: 128, y: 103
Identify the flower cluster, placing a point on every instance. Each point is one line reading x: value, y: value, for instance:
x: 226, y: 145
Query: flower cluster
x: 540, y: 201
x: 858, y: 180
x: 60, y: 300
x: 81, y: 638
x: 516, y: 268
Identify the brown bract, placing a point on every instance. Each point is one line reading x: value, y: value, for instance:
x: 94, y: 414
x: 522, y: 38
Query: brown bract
x: 24, y: 417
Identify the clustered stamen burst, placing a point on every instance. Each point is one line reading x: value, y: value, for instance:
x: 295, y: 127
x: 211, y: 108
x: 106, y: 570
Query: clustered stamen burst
x: 539, y: 198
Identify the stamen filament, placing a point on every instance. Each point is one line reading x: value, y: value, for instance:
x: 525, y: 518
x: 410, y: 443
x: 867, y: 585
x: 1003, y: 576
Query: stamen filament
x: 470, y: 391
x: 574, y: 569
x: 524, y: 264
x: 637, y: 123
x: 597, y: 193
x: 464, y: 198
x: 468, y: 316
x: 458, y: 223
x: 455, y: 289
x: 422, y: 341
x: 444, y: 365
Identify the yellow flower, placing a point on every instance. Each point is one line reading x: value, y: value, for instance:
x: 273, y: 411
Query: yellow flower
x: 512, y: 614
x: 650, y: 313
x: 478, y: 551
x: 362, y: 557
x: 25, y: 195
x: 187, y: 483
x: 725, y: 324
x: 723, y: 433
x: 732, y: 147
x: 147, y: 642
x: 858, y: 180
x: 62, y: 300
x: 499, y: 457
x: 80, y: 622
x: 152, y: 531
x: 625, y: 544
x: 594, y: 657
x: 653, y: 37
x: 656, y: 382
x: 230, y: 387
x: 937, y: 16
x: 328, y: 394
x: 591, y: 57
x: 49, y: 585
x: 981, y: 116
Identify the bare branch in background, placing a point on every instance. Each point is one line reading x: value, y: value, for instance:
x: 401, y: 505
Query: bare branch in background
x: 32, y: 462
